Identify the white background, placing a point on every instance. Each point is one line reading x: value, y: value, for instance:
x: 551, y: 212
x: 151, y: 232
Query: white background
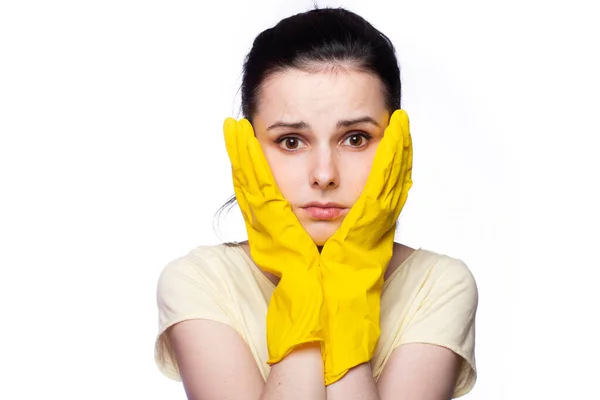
x: 112, y: 164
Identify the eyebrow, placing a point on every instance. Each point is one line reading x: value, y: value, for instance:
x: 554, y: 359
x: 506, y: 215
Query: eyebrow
x: 340, y: 124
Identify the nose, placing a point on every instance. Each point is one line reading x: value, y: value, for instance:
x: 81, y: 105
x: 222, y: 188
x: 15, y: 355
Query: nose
x: 324, y: 172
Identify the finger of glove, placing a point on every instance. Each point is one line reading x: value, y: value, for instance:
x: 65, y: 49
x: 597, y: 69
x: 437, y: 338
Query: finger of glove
x: 384, y: 176
x: 234, y: 141
x: 263, y: 176
x: 405, y: 172
x: 394, y: 135
x: 230, y: 134
x: 396, y: 186
x: 247, y: 172
x: 407, y: 182
x: 406, y: 166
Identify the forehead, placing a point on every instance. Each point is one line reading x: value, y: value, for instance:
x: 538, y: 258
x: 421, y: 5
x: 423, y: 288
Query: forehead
x: 300, y: 95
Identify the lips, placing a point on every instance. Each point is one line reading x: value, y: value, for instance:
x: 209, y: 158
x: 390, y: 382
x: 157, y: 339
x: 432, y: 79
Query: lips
x: 324, y: 211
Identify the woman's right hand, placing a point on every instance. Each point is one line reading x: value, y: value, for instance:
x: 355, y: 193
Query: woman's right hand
x: 278, y: 244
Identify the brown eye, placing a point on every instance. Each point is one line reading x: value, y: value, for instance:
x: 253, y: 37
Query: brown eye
x: 359, y: 140
x: 356, y: 140
x: 291, y: 143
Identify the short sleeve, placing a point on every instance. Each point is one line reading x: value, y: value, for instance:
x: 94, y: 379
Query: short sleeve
x: 186, y: 290
x: 446, y: 317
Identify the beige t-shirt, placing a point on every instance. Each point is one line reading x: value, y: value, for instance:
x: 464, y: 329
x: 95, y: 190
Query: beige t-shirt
x: 429, y: 298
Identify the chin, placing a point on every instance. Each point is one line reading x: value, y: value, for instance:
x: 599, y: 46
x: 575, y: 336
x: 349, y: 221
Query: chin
x: 319, y: 232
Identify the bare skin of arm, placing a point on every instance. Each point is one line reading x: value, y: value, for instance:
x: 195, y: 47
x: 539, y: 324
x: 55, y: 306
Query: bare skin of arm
x: 414, y: 371
x: 357, y: 384
x: 298, y: 376
x: 419, y: 371
x: 215, y: 363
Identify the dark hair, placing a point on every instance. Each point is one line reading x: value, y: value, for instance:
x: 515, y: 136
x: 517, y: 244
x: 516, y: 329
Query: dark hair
x: 315, y: 40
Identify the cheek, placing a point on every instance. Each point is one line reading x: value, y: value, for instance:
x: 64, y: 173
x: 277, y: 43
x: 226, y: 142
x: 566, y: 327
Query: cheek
x: 355, y: 168
x: 289, y: 173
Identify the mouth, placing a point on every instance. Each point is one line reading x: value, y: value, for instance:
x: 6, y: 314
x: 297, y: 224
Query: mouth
x: 324, y: 211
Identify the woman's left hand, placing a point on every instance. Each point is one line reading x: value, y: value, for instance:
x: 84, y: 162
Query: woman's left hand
x: 354, y: 259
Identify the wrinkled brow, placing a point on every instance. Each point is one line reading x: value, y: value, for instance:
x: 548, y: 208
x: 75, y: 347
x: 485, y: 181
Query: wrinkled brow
x: 340, y: 124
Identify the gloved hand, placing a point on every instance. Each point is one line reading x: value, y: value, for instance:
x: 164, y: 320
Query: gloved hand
x: 355, y: 257
x: 278, y: 244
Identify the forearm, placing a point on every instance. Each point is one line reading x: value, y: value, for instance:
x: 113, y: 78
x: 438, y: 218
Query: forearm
x: 357, y: 384
x: 298, y: 376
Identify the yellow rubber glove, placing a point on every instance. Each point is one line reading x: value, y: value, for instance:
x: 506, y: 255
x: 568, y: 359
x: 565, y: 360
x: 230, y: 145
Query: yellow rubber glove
x: 278, y: 244
x: 355, y: 258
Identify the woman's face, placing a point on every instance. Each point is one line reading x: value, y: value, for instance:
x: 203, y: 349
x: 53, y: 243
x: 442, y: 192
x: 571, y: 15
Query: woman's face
x: 319, y: 132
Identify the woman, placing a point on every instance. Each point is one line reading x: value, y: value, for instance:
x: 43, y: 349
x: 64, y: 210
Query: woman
x: 320, y: 302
